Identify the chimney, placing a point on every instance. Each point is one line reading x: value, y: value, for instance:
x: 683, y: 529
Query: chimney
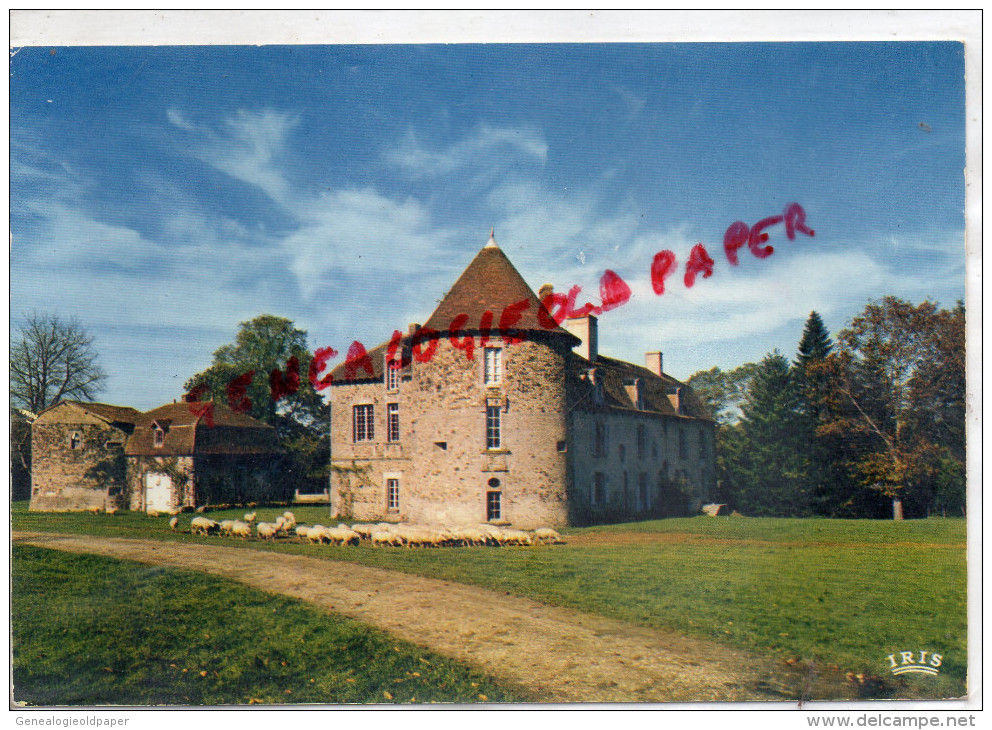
x: 654, y: 362
x: 412, y: 328
x: 586, y: 330
x: 544, y: 291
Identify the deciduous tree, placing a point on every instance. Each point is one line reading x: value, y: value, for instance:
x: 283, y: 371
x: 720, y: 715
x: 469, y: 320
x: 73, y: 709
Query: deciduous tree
x: 52, y: 359
x: 264, y: 373
x: 897, y: 399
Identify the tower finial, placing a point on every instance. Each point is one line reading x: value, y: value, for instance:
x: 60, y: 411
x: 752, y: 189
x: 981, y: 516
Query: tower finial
x: 492, y: 238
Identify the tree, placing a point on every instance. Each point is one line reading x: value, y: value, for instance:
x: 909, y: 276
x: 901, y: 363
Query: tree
x: 723, y: 390
x: 51, y: 360
x: 815, y: 344
x: 897, y: 400
x: 264, y: 373
x: 829, y: 483
x: 765, y: 466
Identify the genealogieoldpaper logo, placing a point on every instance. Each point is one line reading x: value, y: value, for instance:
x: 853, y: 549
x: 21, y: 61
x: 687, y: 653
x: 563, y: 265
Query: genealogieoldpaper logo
x: 910, y: 663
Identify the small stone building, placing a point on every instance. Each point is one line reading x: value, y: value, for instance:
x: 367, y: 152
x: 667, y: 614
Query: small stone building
x: 182, y: 454
x: 78, y: 456
x: 535, y: 428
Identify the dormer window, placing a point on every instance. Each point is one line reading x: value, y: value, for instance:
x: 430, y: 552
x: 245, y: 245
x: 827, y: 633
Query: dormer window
x: 392, y: 376
x: 493, y: 366
x: 75, y: 440
x: 159, y: 436
x: 596, y: 379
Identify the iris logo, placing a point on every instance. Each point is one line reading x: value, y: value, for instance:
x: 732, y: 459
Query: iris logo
x: 910, y: 663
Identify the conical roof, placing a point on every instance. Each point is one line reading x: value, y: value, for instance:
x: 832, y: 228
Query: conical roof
x: 491, y: 283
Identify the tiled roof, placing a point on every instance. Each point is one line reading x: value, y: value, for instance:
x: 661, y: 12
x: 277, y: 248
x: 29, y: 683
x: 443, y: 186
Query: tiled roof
x: 104, y: 411
x: 490, y: 283
x: 189, y: 431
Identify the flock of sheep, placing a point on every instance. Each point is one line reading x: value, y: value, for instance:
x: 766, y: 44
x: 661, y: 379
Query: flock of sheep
x: 382, y: 534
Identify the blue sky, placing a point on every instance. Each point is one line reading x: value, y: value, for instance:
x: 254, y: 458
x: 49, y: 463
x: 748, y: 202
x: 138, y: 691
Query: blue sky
x: 163, y: 195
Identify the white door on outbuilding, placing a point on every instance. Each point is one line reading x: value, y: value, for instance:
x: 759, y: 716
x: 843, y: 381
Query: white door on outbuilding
x: 158, y: 491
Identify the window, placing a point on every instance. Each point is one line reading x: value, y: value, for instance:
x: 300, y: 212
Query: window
x: 599, y: 440
x: 442, y: 445
x: 626, y: 490
x: 159, y: 436
x: 363, y: 428
x: 494, y: 506
x: 562, y: 446
x: 642, y: 442
x: 392, y: 376
x: 75, y: 440
x: 493, y: 436
x: 682, y: 446
x: 393, y: 495
x: 643, y: 500
x: 494, y: 366
x: 393, y: 421
x: 599, y: 488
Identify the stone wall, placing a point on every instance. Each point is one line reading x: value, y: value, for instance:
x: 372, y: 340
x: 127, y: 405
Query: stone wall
x: 443, y: 466
x: 178, y: 468
x: 677, y: 481
x: 64, y: 478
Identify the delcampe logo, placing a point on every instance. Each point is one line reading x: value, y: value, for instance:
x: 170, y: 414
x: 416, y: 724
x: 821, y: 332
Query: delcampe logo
x: 909, y: 663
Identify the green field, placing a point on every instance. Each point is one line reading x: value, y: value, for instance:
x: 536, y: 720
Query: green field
x: 840, y: 593
x: 89, y: 630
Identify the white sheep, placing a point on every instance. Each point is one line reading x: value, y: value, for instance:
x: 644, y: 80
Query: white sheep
x: 289, y: 516
x: 249, y: 517
x: 173, y: 523
x: 342, y: 536
x: 203, y: 525
x: 301, y: 531
x: 111, y: 510
x: 516, y: 537
x: 317, y: 534
x: 241, y: 529
x: 266, y: 531
x: 386, y: 537
x: 225, y: 527
x: 365, y: 531
x: 547, y: 535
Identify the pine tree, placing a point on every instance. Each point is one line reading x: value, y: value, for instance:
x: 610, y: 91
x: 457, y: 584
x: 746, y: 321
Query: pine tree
x: 815, y: 344
x: 766, y: 469
x: 830, y: 484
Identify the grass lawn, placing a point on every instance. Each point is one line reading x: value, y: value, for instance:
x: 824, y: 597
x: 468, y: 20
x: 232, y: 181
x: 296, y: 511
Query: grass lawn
x: 90, y: 630
x: 840, y: 592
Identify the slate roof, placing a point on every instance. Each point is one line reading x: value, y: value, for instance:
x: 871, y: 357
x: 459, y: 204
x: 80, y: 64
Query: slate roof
x: 189, y: 431
x: 659, y: 392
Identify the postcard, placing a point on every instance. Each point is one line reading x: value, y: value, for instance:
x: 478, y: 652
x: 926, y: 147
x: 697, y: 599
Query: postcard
x: 618, y: 372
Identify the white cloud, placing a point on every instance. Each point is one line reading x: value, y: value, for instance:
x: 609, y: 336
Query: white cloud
x: 176, y: 118
x: 485, y: 149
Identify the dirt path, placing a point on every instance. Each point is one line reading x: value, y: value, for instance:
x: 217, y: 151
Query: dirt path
x: 561, y: 654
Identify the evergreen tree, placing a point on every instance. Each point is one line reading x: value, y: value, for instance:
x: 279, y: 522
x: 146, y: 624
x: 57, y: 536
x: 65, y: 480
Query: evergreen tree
x: 815, y: 344
x: 766, y: 465
x: 830, y: 483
